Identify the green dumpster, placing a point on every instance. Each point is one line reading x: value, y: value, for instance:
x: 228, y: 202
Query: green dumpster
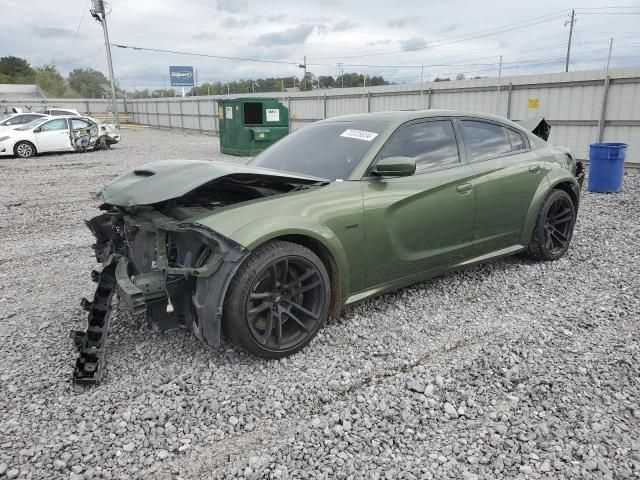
x: 249, y: 125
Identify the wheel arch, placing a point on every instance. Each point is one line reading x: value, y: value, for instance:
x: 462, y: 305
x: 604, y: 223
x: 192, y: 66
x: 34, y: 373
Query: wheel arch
x: 560, y: 182
x: 327, y: 247
x: 571, y: 188
x: 329, y: 263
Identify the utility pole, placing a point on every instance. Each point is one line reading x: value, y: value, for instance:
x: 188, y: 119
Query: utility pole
x: 499, y: 79
x: 609, y: 57
x: 571, y: 22
x: 304, y: 79
x: 421, y: 84
x: 98, y: 12
x: 341, y: 73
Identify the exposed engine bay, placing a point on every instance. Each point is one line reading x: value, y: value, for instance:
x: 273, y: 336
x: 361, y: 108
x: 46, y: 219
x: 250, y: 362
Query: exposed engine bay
x: 164, y: 264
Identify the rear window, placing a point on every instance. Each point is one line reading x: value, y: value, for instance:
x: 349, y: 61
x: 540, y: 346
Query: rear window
x: 485, y: 139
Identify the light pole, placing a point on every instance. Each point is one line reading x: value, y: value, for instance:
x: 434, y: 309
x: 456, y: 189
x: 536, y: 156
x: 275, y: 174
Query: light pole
x: 98, y: 12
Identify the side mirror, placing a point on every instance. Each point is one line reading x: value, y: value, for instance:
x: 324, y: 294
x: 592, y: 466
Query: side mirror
x: 38, y: 129
x: 9, y: 123
x: 395, y: 167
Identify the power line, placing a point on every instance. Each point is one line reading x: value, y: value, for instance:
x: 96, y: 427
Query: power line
x: 75, y: 37
x: 464, y: 38
x: 193, y: 54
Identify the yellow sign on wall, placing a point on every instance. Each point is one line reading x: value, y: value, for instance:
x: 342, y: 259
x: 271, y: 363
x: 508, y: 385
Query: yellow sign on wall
x: 534, y: 103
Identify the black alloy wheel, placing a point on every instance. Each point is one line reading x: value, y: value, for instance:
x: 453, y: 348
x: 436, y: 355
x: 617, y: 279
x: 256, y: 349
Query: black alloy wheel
x: 277, y: 300
x: 554, y: 227
x: 285, y: 303
x: 559, y: 225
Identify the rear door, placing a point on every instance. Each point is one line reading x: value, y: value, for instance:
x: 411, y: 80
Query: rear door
x: 417, y: 223
x: 53, y: 136
x: 507, y: 175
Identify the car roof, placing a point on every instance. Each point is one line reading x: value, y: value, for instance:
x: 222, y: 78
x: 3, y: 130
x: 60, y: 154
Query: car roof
x: 399, y: 117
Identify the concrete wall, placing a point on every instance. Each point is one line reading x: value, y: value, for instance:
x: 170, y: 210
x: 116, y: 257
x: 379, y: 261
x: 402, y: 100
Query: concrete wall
x: 572, y: 102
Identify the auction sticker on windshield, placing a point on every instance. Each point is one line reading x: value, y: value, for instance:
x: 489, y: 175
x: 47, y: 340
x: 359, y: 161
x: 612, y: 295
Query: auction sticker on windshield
x: 359, y: 134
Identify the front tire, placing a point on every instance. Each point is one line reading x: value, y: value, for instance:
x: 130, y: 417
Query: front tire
x: 24, y: 149
x: 277, y: 301
x: 554, y: 227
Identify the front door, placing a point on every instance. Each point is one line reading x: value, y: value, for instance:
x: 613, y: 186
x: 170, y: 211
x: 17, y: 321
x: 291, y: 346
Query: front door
x: 417, y: 223
x: 507, y: 175
x: 53, y: 136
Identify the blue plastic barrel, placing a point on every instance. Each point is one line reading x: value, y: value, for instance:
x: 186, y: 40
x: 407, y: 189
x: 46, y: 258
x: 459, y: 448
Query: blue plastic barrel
x: 606, y: 166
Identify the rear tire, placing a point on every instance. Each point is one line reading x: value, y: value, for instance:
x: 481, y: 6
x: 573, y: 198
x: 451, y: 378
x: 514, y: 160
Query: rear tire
x: 277, y: 301
x: 24, y: 149
x: 554, y: 227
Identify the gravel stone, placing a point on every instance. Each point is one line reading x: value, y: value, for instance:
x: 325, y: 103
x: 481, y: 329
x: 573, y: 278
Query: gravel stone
x: 544, y: 357
x: 450, y: 410
x: 13, y: 473
x: 416, y: 385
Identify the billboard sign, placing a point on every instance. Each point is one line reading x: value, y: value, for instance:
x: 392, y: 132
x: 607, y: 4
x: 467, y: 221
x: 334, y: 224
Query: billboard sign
x: 181, y: 76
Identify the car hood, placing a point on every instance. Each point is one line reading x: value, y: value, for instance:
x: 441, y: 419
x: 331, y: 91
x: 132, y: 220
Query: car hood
x: 165, y: 180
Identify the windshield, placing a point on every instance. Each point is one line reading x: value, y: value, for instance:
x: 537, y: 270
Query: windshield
x: 327, y: 150
x: 32, y: 124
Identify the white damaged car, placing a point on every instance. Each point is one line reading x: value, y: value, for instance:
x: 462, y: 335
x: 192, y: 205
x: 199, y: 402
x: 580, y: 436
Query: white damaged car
x: 57, y: 134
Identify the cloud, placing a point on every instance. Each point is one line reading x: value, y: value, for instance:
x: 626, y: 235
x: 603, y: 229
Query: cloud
x: 232, y: 6
x: 230, y: 22
x: 378, y: 42
x: 276, y: 18
x: 49, y: 32
x: 402, y: 22
x: 451, y: 27
x: 413, y: 43
x: 344, y: 25
x: 204, y: 36
x: 289, y: 36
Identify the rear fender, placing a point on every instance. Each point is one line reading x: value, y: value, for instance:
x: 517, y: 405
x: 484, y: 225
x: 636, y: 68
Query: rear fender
x: 554, y: 177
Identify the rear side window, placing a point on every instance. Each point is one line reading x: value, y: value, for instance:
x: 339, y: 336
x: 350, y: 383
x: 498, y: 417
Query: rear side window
x: 77, y: 123
x: 432, y: 144
x: 517, y: 140
x: 485, y: 139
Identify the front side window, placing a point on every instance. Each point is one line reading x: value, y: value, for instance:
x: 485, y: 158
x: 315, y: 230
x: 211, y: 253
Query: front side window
x: 485, y: 139
x: 53, y: 125
x: 432, y: 144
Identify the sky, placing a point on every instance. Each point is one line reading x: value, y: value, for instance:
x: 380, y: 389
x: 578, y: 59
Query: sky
x: 389, y: 38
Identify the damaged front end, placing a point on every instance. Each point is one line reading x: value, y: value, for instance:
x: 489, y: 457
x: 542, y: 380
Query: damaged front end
x: 158, y: 258
x: 175, y: 273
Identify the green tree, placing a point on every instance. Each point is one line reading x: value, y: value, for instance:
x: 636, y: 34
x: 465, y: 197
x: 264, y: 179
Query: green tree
x: 50, y: 81
x: 17, y: 70
x: 89, y: 83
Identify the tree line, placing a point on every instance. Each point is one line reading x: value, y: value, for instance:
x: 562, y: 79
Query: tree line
x: 90, y: 83
x: 80, y: 83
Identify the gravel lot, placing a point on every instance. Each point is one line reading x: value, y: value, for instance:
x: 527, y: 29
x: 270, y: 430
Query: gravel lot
x: 509, y: 369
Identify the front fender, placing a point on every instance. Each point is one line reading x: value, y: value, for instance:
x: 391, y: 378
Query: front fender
x: 261, y: 231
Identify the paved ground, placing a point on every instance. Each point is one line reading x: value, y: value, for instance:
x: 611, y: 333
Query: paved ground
x: 510, y: 369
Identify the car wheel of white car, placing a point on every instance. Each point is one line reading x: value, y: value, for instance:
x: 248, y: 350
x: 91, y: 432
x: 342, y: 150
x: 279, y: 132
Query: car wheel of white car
x: 24, y: 150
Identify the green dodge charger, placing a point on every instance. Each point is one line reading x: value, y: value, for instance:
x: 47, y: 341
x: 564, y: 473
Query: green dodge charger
x: 338, y: 211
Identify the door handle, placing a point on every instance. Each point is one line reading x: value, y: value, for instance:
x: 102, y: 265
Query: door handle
x: 535, y: 169
x: 464, y: 188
